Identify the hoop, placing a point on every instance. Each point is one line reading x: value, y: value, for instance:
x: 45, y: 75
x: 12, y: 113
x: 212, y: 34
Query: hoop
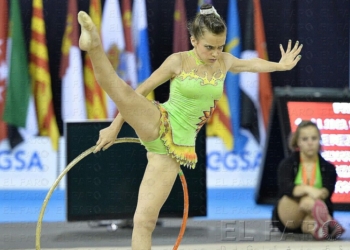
x: 79, y: 158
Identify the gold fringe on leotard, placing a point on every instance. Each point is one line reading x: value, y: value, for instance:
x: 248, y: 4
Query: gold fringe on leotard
x: 185, y: 155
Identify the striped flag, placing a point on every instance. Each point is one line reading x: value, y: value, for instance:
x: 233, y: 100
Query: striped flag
x: 128, y: 68
x: 95, y: 96
x: 71, y: 72
x: 180, y: 35
x: 40, y: 74
x: 256, y: 87
x: 220, y: 122
x: 140, y: 38
x: 19, y: 106
x: 113, y: 41
x: 3, y: 64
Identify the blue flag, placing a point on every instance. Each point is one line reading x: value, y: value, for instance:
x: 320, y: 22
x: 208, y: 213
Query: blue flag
x: 140, y: 36
x: 233, y: 46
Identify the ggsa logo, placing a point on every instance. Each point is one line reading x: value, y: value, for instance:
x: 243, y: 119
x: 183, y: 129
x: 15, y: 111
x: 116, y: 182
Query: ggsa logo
x: 229, y: 161
x: 20, y: 161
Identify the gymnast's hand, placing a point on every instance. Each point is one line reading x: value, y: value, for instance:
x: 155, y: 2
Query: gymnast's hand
x: 106, y: 139
x: 291, y: 56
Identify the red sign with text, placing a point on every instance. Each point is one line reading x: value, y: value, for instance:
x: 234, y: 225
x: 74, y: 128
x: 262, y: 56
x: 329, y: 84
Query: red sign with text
x: 333, y: 121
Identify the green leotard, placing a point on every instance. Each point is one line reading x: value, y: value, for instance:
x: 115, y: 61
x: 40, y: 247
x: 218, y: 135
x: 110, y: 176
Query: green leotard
x: 193, y: 98
x: 318, y: 178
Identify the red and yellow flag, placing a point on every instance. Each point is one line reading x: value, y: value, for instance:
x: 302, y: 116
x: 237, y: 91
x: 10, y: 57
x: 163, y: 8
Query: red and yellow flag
x: 94, y: 95
x: 40, y: 74
x: 220, y: 123
x: 3, y: 65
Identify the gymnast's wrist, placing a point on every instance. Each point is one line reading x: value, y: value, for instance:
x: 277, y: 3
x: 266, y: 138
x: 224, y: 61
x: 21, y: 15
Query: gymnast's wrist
x: 117, y: 122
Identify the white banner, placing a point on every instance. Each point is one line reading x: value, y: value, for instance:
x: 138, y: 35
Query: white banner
x: 227, y: 169
x: 30, y: 165
x: 34, y: 164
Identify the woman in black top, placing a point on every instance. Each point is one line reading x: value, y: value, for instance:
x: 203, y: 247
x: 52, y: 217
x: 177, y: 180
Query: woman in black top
x: 306, y: 182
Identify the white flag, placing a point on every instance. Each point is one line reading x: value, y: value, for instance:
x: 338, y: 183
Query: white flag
x: 113, y: 41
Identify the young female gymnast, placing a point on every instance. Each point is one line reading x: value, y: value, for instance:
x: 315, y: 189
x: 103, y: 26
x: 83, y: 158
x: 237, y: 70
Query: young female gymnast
x: 168, y: 130
x: 306, y: 182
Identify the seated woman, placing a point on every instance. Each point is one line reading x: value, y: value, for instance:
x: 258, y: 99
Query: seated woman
x: 306, y: 182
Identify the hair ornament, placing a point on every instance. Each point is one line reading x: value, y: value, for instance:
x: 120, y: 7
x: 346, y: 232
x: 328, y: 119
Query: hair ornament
x: 212, y: 10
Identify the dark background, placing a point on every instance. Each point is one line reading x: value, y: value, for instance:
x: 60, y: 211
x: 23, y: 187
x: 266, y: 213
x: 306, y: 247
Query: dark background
x: 321, y: 25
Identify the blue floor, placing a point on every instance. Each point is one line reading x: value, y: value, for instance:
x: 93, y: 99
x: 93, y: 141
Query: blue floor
x: 25, y: 206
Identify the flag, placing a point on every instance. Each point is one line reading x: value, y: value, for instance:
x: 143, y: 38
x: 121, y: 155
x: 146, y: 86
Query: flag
x: 256, y: 87
x: 3, y: 64
x: 180, y: 36
x: 220, y: 122
x: 233, y: 46
x: 19, y: 106
x: 113, y: 41
x: 40, y: 74
x: 128, y: 69
x: 140, y: 38
x: 265, y: 87
x: 95, y: 96
x: 71, y: 72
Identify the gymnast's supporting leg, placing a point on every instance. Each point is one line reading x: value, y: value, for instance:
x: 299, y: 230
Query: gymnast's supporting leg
x: 157, y: 182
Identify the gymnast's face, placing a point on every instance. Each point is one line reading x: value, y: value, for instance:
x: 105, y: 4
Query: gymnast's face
x: 209, y: 47
x: 309, y: 141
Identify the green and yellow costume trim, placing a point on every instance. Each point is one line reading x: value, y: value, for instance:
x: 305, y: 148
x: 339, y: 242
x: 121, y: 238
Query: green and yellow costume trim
x: 185, y: 155
x: 194, y: 94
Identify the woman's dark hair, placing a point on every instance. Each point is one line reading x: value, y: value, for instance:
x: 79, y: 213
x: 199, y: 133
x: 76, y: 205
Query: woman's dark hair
x: 293, y: 142
x: 206, y: 22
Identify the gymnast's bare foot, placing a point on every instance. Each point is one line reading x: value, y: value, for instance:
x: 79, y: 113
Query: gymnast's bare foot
x: 89, y: 37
